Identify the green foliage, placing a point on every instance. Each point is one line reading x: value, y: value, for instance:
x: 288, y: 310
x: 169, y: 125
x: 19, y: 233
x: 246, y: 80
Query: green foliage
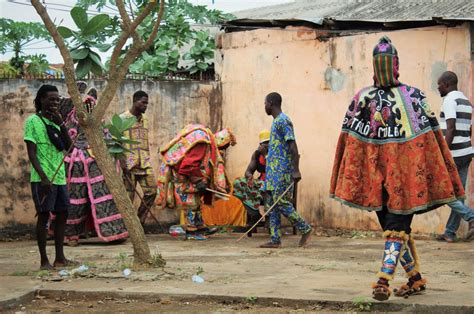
x: 116, y: 143
x: 251, y: 299
x: 177, y: 39
x: 15, y: 36
x: 201, y: 53
x: 362, y: 304
x: 123, y: 261
x: 199, y: 270
x: 20, y: 273
x: 37, y: 64
x: 157, y: 261
x: 91, y: 35
x: 7, y: 70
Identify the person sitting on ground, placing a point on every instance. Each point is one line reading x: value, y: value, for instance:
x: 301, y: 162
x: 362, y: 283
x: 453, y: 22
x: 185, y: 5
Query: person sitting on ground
x: 192, y: 164
x: 46, y: 138
x: 249, y: 189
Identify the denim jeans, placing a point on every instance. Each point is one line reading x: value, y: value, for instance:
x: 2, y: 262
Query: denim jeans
x: 458, y: 209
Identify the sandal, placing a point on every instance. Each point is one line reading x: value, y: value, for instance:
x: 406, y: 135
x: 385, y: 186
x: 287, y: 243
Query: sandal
x: 405, y: 290
x: 380, y: 292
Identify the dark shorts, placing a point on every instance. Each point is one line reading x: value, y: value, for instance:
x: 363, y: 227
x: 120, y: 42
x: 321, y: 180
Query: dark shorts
x: 57, y: 201
x: 394, y: 222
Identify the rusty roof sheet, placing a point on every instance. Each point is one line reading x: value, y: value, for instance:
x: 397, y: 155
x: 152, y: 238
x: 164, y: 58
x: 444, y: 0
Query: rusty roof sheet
x: 319, y: 11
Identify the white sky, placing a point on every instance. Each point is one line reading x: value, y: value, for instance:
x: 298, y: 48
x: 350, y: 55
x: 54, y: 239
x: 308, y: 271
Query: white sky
x: 22, y: 10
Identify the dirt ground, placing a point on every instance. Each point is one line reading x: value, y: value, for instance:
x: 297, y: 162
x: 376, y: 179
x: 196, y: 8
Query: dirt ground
x: 333, y: 274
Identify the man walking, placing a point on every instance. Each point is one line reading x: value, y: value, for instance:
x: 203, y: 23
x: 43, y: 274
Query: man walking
x: 455, y: 121
x: 391, y: 158
x: 137, y: 168
x: 282, y: 170
x: 46, y: 137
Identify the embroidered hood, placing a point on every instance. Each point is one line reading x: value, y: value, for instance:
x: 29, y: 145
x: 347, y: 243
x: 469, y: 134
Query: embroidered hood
x: 385, y: 64
x: 225, y: 137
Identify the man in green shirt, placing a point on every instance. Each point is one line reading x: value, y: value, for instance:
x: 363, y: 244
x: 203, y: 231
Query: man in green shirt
x: 48, y: 176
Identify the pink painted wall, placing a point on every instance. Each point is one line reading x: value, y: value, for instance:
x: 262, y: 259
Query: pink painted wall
x: 317, y: 80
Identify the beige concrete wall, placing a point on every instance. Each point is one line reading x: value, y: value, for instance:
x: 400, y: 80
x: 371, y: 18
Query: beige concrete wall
x: 172, y: 105
x: 317, y: 80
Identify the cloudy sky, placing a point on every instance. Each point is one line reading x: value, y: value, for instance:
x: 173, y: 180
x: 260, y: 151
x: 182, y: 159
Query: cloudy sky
x: 21, y: 10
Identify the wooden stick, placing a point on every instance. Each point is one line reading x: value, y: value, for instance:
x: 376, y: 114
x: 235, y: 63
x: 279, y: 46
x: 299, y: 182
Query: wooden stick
x: 218, y: 193
x: 266, y: 213
x: 143, y: 201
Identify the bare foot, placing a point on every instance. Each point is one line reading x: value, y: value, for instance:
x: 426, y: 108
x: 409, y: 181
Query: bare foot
x: 65, y: 263
x: 46, y: 266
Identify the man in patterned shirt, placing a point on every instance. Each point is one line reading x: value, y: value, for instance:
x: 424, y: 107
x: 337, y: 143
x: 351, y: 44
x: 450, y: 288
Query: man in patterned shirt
x: 282, y: 169
x: 138, y: 162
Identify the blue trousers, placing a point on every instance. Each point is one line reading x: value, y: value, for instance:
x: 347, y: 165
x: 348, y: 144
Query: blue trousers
x: 458, y: 209
x: 284, y: 207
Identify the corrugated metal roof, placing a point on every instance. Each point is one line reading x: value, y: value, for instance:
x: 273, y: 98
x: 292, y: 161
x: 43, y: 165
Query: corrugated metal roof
x: 318, y: 11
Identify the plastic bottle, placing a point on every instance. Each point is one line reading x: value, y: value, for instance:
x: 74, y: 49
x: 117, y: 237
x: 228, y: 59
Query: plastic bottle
x: 177, y: 232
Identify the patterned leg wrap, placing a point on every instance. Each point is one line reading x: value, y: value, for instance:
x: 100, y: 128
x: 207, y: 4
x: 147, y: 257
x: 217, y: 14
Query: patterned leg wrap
x: 393, y: 246
x: 191, y: 220
x: 410, y: 263
x: 409, y: 259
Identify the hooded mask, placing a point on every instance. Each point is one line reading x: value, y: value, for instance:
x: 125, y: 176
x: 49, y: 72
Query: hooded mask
x: 385, y: 64
x: 225, y: 137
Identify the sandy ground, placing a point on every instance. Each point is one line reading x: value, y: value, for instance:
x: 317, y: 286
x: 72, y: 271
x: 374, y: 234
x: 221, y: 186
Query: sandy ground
x: 331, y: 269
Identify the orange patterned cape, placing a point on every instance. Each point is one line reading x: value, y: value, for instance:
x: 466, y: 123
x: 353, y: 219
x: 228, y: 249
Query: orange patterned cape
x: 175, y: 191
x: 391, y: 152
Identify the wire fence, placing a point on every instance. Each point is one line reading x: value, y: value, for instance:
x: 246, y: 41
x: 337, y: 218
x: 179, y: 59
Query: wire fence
x: 208, y: 75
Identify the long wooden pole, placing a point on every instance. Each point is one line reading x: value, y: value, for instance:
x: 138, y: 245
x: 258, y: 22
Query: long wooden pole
x: 266, y: 213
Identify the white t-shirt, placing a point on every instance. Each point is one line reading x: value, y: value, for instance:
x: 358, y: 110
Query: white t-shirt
x: 457, y: 106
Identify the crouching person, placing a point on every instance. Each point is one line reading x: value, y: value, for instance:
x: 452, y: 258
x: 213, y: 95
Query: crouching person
x: 192, y: 164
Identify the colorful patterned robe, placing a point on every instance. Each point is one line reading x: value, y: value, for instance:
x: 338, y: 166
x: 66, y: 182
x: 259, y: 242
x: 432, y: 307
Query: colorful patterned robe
x: 391, y: 150
x: 176, y: 191
x: 92, y: 204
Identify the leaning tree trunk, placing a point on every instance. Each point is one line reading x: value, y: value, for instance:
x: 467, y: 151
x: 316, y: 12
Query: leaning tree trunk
x: 115, y: 184
x: 90, y: 123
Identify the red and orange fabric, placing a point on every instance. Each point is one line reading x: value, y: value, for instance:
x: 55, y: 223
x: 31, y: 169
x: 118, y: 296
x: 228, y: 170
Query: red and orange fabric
x: 391, y: 152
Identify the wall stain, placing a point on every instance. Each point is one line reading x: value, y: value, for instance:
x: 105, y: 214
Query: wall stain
x: 215, y: 108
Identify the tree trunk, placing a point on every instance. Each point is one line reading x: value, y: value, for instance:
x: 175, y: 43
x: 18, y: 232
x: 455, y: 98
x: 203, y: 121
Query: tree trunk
x: 90, y: 123
x: 115, y: 184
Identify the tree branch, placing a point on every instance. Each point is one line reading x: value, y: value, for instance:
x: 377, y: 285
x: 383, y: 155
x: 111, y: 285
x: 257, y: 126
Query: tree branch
x: 126, y: 21
x: 69, y: 72
x: 117, y: 74
x: 126, y: 32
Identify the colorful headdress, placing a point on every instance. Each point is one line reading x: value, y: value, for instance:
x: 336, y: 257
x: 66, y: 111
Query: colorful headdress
x: 81, y: 86
x: 225, y: 137
x: 385, y: 63
x: 264, y: 136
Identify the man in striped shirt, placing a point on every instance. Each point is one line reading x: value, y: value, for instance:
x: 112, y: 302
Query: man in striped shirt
x: 455, y: 121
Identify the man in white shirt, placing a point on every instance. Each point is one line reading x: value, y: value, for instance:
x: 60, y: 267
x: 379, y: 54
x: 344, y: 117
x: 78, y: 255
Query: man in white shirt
x: 455, y: 121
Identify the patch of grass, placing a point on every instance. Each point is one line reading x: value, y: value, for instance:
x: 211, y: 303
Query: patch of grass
x: 90, y: 264
x: 41, y: 273
x: 199, y: 270
x: 157, y: 261
x: 251, y: 299
x: 362, y: 304
x: 123, y: 261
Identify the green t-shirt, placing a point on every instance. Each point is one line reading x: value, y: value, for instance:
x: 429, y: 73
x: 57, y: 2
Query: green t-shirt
x: 49, y: 157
